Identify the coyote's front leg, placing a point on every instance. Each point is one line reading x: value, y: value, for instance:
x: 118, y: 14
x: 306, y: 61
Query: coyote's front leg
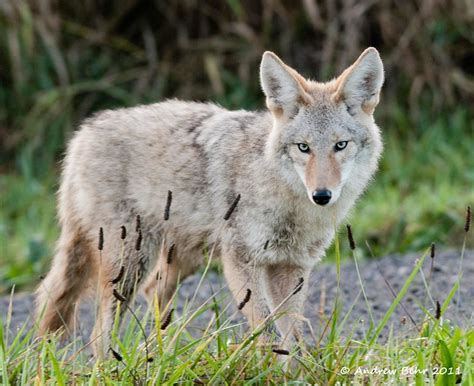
x: 286, y: 287
x: 243, y: 277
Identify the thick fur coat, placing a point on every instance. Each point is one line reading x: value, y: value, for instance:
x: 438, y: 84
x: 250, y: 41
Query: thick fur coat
x: 315, y: 140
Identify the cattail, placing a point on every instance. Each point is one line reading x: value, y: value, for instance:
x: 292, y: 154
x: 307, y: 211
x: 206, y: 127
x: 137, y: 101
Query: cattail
x: 438, y: 310
x: 266, y: 245
x: 119, y: 276
x: 139, y: 223
x: 116, y: 355
x: 168, y: 205
x: 467, y: 224
x: 158, y: 276
x: 169, y: 258
x: 246, y: 299
x: 232, y: 208
x: 299, y: 286
x: 101, y: 239
x: 118, y: 296
x: 167, y: 320
x: 138, y: 244
x: 281, y: 351
x: 123, y: 233
x: 149, y: 359
x: 432, y: 250
x: 350, y: 237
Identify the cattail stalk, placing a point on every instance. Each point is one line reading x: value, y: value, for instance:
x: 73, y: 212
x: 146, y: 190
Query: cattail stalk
x: 350, y: 237
x: 168, y: 205
x: 119, y: 276
x: 232, y: 208
x: 138, y: 244
x: 167, y: 320
x: 169, y: 258
x: 119, y: 296
x: 246, y: 299
x: 467, y: 224
x: 299, y: 286
x: 438, y: 310
x: 116, y: 355
x: 101, y: 239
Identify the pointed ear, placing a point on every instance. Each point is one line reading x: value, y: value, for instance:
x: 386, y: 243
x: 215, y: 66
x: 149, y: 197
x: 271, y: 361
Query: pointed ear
x: 360, y: 84
x: 282, y: 85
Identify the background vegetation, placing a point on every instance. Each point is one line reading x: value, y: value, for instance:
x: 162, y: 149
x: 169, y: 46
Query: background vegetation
x: 62, y: 60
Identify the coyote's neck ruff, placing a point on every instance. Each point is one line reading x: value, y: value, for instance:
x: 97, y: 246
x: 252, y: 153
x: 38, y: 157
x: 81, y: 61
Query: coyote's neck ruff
x: 297, y: 170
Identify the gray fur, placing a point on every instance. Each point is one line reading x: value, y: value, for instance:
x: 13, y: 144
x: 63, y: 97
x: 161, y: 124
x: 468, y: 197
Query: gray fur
x: 122, y: 163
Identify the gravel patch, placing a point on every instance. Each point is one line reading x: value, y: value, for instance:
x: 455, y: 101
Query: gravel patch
x: 393, y: 269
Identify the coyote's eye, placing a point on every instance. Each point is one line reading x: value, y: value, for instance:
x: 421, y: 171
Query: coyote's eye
x: 340, y: 145
x: 303, y: 147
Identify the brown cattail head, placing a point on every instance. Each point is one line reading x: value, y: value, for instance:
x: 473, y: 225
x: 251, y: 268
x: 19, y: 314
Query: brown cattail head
x: 350, y: 237
x: 467, y: 224
x: 246, y: 299
x: 232, y: 208
x: 119, y: 276
x: 119, y: 296
x: 281, y: 351
x: 167, y: 320
x: 266, y: 245
x: 438, y: 310
x: 299, y: 286
x: 116, y: 355
x: 432, y: 250
x: 169, y: 258
x: 139, y: 223
x: 168, y: 205
x: 101, y: 239
x: 138, y: 244
x: 123, y: 232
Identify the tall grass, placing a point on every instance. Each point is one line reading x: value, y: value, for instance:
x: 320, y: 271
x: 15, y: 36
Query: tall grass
x: 439, y: 353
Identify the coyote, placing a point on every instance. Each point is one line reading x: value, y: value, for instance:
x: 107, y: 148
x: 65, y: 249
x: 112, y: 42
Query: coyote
x: 289, y: 174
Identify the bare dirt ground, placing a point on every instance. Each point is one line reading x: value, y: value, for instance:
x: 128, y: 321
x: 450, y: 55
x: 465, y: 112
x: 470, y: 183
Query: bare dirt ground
x: 381, y: 279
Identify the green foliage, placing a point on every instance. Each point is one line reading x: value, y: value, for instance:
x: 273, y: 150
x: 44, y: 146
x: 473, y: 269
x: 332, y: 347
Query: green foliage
x: 439, y: 354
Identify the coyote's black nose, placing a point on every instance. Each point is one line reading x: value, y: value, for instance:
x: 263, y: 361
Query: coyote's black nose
x: 322, y: 197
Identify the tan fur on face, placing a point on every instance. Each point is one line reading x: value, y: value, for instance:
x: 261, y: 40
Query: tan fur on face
x: 334, y: 172
x: 311, y: 173
x: 327, y: 175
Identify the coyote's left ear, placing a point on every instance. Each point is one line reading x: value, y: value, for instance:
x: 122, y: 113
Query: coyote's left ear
x: 359, y: 85
x: 283, y: 86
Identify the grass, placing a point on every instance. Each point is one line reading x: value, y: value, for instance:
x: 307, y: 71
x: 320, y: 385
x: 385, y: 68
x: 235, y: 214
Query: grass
x: 440, y: 354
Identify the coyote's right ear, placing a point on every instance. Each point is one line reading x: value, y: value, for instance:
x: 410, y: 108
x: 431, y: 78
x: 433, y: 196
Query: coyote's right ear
x: 282, y: 85
x: 359, y: 86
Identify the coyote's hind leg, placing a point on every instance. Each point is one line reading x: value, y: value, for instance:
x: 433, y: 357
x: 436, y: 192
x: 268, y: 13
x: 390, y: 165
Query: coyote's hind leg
x: 113, y: 296
x: 59, y: 292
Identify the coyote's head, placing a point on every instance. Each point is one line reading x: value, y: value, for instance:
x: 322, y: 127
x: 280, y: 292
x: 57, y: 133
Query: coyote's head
x: 325, y: 132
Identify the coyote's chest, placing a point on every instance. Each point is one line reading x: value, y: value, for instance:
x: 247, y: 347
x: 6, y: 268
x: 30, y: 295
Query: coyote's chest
x: 291, y: 237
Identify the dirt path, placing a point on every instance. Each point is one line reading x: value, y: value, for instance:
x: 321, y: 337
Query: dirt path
x: 322, y: 291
